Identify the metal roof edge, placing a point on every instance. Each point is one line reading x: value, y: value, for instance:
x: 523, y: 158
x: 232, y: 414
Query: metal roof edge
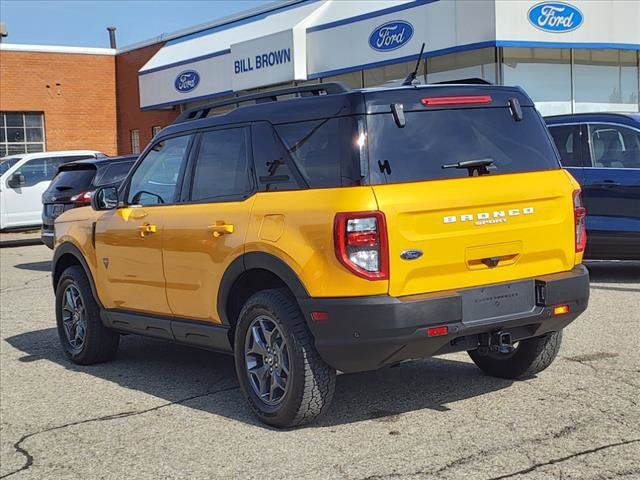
x: 18, y: 47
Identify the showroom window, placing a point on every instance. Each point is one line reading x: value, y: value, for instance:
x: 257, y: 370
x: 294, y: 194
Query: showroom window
x: 605, y: 80
x: 352, y: 79
x: 544, y: 73
x: 394, y: 73
x: 135, y: 141
x: 471, y: 64
x: 21, y: 132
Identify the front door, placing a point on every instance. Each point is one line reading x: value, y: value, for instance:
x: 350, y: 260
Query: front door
x: 204, y: 235
x: 129, y: 240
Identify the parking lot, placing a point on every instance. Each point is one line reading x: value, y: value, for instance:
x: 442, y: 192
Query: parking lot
x: 167, y: 411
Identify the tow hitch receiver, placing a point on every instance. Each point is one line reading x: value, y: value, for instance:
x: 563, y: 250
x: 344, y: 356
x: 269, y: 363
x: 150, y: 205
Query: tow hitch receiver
x: 499, y: 342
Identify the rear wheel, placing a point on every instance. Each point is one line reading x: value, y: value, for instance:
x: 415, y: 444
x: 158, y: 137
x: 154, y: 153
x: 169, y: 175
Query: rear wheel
x: 529, y: 357
x: 84, y: 338
x: 279, y: 370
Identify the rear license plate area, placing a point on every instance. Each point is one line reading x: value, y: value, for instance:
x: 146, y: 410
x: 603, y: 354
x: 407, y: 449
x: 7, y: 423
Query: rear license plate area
x: 485, y: 303
x: 56, y: 210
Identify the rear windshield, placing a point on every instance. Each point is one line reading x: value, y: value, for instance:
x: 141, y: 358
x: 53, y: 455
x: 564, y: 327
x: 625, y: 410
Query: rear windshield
x: 72, y: 179
x: 115, y: 173
x: 431, y: 139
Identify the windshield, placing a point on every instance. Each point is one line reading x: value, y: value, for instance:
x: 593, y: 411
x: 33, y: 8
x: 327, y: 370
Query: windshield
x: 431, y: 139
x: 7, y: 163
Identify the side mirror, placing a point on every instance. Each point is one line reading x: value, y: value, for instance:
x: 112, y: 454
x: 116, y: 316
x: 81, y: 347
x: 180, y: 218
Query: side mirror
x: 105, y: 198
x: 17, y: 180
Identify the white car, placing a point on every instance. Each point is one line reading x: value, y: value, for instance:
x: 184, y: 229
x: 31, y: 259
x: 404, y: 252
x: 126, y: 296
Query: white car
x: 23, y: 180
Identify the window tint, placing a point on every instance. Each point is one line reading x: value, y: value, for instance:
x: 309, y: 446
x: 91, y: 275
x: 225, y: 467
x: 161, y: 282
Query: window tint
x: 431, y: 139
x: 222, y: 169
x: 325, y: 151
x: 155, y: 181
x: 114, y: 173
x: 76, y: 179
x: 273, y: 164
x: 614, y: 146
x: 568, y: 140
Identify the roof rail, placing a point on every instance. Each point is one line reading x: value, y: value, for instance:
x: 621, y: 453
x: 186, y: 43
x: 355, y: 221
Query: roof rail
x: 465, y: 81
x: 315, y: 89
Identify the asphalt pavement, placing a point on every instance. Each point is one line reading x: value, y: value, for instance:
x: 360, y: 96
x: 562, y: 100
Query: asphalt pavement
x: 167, y: 411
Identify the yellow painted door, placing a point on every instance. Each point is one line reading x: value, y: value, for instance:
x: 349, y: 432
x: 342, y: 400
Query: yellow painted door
x: 203, y: 236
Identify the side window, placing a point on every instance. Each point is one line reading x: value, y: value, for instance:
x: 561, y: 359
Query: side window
x: 325, y: 151
x: 36, y: 171
x: 273, y: 165
x: 568, y: 142
x: 155, y: 181
x: 614, y: 146
x: 114, y: 173
x: 222, y: 168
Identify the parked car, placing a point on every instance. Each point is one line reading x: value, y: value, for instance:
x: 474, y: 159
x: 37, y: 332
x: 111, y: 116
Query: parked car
x: 74, y: 184
x: 337, y: 230
x: 23, y: 180
x: 602, y: 151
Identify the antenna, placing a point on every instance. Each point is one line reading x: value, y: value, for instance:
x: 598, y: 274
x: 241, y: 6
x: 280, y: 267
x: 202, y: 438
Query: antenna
x: 412, y: 76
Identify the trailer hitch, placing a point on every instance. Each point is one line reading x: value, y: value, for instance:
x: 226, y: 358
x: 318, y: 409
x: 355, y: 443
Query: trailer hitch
x: 497, y: 342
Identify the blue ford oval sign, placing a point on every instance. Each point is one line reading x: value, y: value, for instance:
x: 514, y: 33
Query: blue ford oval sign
x: 187, y: 81
x: 391, y: 35
x: 555, y: 17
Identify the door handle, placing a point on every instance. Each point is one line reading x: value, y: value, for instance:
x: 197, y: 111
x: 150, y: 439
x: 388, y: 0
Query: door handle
x: 146, y: 229
x: 221, y: 228
x: 607, y: 184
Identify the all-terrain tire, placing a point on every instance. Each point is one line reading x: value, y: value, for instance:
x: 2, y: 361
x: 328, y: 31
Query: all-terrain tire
x: 531, y: 356
x: 311, y: 382
x: 100, y: 343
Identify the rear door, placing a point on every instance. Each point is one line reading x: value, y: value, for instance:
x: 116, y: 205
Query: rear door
x: 611, y: 183
x: 515, y: 222
x: 203, y: 235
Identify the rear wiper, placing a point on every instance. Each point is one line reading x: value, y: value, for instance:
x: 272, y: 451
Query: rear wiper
x: 63, y: 188
x: 482, y: 166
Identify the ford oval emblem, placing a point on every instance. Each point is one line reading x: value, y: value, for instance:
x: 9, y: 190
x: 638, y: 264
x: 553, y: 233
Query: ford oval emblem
x: 187, y: 81
x: 555, y: 17
x: 391, y: 35
x: 411, y: 254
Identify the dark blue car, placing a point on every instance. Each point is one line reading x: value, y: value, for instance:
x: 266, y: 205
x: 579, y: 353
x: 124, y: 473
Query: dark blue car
x: 602, y: 151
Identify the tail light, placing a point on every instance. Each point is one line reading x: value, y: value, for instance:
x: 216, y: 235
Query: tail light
x: 82, y: 199
x: 361, y: 244
x: 579, y: 214
x: 457, y: 100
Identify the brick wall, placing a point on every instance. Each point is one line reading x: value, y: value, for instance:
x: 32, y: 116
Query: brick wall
x: 129, y: 114
x: 76, y: 92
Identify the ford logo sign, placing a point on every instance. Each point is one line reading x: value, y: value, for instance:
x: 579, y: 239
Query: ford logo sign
x: 391, y: 35
x: 187, y: 81
x: 411, y: 254
x: 555, y: 17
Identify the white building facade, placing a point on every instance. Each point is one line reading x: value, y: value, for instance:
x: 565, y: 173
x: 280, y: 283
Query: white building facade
x: 570, y: 56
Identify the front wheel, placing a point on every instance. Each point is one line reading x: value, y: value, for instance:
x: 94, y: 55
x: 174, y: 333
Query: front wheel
x: 280, y: 372
x: 529, y: 357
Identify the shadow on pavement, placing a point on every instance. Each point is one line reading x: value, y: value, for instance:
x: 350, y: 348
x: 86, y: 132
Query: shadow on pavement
x: 173, y: 372
x: 43, y: 266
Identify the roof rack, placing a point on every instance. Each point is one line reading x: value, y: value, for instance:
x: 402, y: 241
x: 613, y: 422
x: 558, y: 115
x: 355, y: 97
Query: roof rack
x: 315, y: 89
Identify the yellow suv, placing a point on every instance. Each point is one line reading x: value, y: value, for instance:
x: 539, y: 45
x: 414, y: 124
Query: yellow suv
x: 318, y: 229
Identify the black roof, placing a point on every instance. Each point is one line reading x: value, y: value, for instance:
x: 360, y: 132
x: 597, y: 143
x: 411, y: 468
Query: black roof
x: 337, y: 101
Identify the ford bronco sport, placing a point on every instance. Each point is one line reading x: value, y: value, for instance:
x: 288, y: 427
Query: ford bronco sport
x: 318, y: 229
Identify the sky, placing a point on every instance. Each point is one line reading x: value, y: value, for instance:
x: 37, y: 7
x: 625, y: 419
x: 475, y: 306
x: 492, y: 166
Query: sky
x: 84, y: 23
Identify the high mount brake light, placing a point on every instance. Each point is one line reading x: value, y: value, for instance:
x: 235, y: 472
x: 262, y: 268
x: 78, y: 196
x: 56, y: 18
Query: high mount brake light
x: 82, y: 199
x: 458, y: 100
x: 361, y: 244
x: 579, y: 214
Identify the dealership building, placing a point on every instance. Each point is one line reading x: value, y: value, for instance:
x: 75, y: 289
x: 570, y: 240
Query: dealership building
x: 570, y: 56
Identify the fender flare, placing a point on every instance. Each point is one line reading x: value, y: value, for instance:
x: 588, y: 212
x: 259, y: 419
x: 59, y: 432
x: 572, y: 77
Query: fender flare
x: 256, y: 260
x: 69, y: 248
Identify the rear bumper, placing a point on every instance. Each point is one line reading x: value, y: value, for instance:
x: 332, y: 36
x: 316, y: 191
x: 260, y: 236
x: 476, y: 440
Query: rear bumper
x: 365, y: 333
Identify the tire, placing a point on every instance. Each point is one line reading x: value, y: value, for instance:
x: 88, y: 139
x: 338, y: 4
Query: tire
x: 98, y: 344
x: 294, y: 398
x: 530, y: 357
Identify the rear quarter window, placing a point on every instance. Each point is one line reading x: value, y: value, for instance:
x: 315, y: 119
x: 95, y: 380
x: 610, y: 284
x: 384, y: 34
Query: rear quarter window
x: 434, y: 138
